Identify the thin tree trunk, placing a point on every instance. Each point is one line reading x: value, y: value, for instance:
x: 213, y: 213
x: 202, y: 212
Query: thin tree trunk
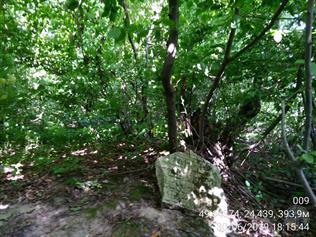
x: 144, y: 87
x: 228, y: 60
x: 308, y: 82
x: 127, y: 24
x: 313, y: 132
x: 166, y: 74
x: 215, y: 84
x: 143, y: 97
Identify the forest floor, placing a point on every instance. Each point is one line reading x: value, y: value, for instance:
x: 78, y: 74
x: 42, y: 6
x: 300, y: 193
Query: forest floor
x: 110, y: 191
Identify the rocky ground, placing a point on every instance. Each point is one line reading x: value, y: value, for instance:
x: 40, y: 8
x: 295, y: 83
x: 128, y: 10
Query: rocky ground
x: 118, y: 212
x: 109, y: 194
x: 112, y: 192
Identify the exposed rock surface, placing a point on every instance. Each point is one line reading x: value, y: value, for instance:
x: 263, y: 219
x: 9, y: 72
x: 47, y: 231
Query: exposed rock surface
x: 123, y: 220
x: 188, y: 181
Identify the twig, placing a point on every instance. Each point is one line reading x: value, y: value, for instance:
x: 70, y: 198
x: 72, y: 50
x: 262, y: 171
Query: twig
x: 285, y: 182
x: 132, y: 171
x: 249, y: 149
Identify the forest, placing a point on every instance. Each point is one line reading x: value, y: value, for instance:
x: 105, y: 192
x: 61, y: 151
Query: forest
x: 95, y: 93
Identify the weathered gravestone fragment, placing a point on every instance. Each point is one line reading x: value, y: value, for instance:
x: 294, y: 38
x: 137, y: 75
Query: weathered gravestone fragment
x: 188, y: 181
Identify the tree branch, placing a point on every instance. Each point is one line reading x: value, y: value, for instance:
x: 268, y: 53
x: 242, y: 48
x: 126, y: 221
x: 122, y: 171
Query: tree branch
x: 127, y: 24
x: 228, y: 59
x: 216, y: 83
x: 262, y: 33
x: 283, y: 181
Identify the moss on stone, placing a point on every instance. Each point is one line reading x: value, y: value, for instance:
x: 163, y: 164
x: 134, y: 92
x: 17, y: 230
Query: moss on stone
x: 111, y: 203
x: 91, y: 212
x: 127, y: 228
x: 139, y: 192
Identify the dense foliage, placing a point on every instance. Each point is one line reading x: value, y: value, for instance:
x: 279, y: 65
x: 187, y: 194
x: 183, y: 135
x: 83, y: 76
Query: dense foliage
x: 80, y: 72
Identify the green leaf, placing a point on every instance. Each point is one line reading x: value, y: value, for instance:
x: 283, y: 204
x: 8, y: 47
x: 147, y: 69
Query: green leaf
x: 106, y: 10
x: 122, y: 35
x: 75, y: 209
x: 307, y: 158
x: 291, y: 69
x: 72, y: 4
x: 2, y: 81
x: 11, y: 79
x: 314, y: 69
x: 299, y: 62
x: 271, y: 3
x: 114, y: 33
x: 113, y: 13
x: 3, y: 97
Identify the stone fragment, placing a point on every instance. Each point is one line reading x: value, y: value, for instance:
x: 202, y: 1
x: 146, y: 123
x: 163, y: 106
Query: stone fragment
x: 188, y: 181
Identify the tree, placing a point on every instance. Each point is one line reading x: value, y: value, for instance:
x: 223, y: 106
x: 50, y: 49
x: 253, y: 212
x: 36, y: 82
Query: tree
x: 165, y: 76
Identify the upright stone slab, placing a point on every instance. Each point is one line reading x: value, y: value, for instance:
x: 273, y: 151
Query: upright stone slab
x: 187, y: 180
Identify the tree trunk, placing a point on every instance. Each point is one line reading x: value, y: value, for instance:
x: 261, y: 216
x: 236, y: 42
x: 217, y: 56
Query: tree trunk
x: 308, y: 82
x: 166, y: 74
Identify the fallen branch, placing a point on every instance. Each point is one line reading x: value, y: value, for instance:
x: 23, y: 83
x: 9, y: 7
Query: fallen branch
x: 284, y: 182
x: 290, y: 100
x: 132, y: 171
x: 277, y: 120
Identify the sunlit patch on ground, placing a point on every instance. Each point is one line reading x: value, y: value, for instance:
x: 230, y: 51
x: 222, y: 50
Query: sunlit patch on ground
x: 3, y: 207
x: 83, y: 152
x: 164, y: 153
x: 113, y: 168
x: 122, y: 157
x: 13, y: 172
